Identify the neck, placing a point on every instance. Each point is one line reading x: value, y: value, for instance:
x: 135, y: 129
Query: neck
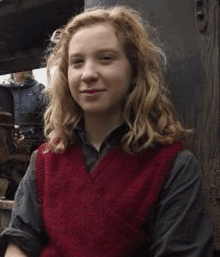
x: 98, y: 127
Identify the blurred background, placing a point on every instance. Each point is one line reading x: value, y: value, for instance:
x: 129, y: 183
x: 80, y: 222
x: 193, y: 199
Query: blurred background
x: 39, y: 74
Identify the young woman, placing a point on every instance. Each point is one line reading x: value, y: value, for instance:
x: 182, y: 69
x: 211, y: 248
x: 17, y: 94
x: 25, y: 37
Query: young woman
x: 114, y: 177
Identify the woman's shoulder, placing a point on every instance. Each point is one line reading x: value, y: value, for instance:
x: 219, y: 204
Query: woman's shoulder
x: 185, y: 157
x: 33, y: 159
x: 181, y: 154
x: 43, y: 149
x: 184, y: 171
x: 46, y: 152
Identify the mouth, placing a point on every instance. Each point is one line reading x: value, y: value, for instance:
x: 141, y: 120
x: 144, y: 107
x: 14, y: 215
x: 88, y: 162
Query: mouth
x: 92, y: 91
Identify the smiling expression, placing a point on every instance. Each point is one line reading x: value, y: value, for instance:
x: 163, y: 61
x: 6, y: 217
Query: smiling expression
x: 99, y: 72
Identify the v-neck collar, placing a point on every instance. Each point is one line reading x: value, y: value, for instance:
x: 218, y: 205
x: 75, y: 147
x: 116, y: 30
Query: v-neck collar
x: 105, y: 157
x: 91, y: 155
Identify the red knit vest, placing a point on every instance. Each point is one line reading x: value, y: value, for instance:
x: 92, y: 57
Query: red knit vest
x: 99, y: 214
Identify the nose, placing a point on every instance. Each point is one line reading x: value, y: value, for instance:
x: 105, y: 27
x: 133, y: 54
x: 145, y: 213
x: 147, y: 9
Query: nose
x: 89, y: 74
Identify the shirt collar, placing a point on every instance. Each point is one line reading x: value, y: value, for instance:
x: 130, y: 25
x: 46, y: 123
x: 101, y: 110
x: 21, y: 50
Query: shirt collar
x: 111, y: 139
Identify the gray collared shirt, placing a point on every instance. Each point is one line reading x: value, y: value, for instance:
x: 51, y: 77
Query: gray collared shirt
x: 179, y: 221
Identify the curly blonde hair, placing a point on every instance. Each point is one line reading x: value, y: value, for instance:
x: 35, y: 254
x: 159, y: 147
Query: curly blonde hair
x: 148, y: 112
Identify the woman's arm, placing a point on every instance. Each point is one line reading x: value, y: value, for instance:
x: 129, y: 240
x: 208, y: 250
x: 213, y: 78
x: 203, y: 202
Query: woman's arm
x: 14, y: 251
x: 25, y: 229
x: 181, y: 225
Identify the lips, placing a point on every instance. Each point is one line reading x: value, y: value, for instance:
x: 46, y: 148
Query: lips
x: 92, y: 91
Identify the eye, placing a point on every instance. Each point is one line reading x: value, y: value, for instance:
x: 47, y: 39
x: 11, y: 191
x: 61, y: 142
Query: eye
x: 76, y: 63
x: 106, y: 59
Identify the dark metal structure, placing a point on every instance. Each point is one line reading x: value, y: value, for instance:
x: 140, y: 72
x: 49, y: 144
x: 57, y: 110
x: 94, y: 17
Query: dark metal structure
x: 25, y: 28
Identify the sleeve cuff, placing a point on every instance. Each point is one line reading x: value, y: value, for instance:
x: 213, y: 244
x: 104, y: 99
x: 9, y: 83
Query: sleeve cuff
x: 25, y: 241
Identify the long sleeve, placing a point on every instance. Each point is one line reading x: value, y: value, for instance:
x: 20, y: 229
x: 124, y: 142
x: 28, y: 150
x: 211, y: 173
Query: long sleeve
x: 180, y: 223
x: 25, y: 228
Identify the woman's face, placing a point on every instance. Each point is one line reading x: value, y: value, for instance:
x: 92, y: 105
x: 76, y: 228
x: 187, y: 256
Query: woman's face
x: 99, y: 72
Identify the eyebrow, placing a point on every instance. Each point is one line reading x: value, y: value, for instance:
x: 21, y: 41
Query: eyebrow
x: 100, y: 51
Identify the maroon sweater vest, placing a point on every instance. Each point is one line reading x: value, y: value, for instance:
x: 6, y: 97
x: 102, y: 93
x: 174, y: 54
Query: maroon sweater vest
x: 99, y: 214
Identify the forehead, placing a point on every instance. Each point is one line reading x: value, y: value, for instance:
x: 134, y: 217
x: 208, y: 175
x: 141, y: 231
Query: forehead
x: 94, y: 37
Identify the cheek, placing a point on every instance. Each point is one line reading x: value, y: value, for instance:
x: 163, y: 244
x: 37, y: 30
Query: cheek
x: 71, y: 88
x: 120, y: 75
x: 71, y: 81
x: 73, y: 93
x: 125, y: 79
x: 69, y: 77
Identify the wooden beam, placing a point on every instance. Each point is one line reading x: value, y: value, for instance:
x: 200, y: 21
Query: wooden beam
x: 206, y: 137
x: 6, y: 204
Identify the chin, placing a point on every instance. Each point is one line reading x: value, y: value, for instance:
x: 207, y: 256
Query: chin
x: 94, y: 110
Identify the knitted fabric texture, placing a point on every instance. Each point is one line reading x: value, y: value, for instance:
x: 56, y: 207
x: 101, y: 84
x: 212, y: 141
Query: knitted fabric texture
x: 99, y: 213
